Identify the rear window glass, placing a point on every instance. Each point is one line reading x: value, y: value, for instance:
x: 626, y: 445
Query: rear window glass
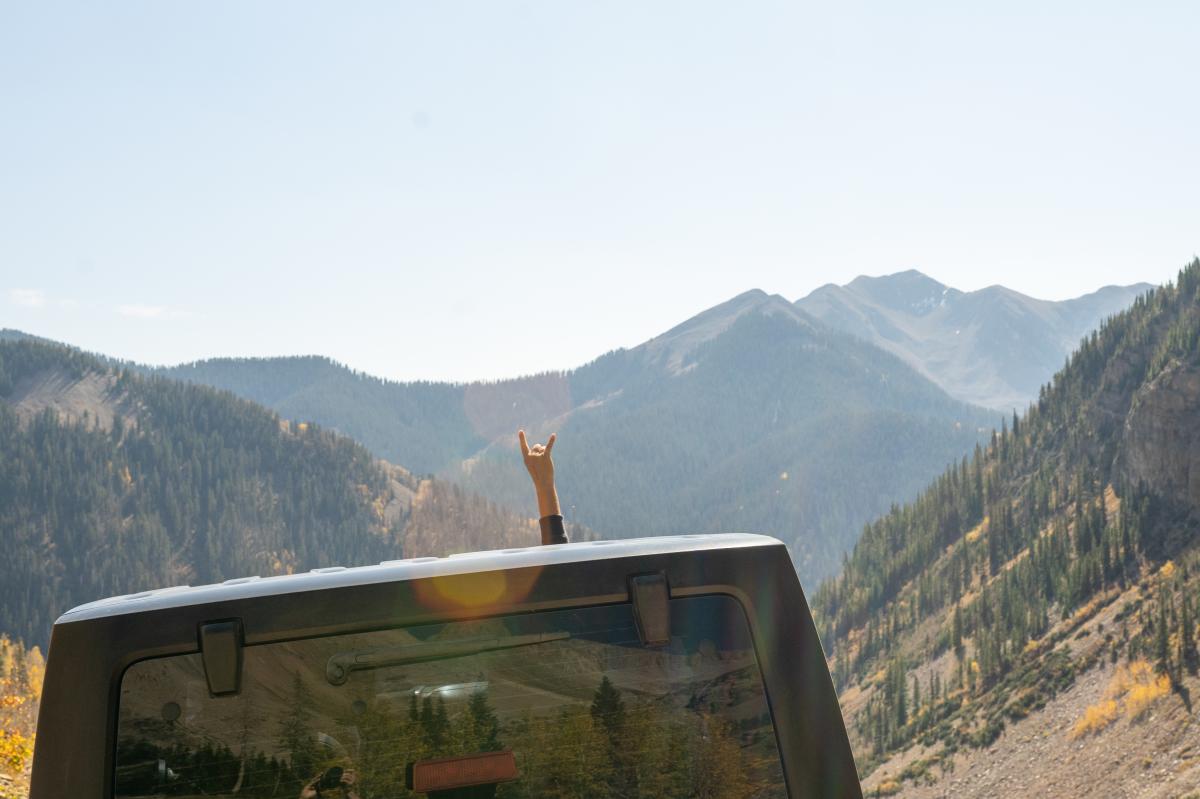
x: 584, y: 708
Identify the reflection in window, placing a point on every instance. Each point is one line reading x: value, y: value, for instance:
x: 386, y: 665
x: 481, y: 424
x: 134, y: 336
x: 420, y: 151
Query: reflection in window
x: 585, y: 709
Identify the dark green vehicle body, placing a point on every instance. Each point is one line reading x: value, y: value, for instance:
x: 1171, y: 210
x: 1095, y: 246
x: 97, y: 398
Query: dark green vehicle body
x: 652, y: 667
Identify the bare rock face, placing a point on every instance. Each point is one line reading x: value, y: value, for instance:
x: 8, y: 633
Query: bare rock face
x: 1160, y: 445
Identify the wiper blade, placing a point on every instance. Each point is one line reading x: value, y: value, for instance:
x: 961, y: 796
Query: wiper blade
x: 339, y: 667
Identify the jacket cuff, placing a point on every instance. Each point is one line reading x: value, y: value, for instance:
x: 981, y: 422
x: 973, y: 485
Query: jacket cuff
x: 552, y: 530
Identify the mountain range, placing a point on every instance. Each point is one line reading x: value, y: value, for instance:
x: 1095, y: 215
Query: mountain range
x: 749, y: 416
x: 994, y: 347
x: 753, y: 415
x: 802, y: 420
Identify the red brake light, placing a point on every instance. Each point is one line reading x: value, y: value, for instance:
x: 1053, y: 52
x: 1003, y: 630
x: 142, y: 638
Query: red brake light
x: 446, y: 773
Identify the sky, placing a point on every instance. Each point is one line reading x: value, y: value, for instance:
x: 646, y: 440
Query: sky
x: 475, y: 190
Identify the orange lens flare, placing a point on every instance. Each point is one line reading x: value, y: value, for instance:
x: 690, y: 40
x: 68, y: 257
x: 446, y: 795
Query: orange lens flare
x: 477, y: 591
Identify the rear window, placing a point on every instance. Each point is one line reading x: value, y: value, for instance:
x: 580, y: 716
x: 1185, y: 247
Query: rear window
x: 570, y: 702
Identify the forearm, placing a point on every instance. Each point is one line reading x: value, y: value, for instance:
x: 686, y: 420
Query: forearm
x: 547, y: 499
x: 551, y: 521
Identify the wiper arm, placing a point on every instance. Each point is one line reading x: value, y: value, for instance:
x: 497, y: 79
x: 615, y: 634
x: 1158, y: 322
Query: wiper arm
x: 339, y: 667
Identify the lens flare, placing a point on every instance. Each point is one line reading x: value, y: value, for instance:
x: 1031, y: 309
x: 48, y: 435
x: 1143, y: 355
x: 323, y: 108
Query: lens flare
x: 476, y: 591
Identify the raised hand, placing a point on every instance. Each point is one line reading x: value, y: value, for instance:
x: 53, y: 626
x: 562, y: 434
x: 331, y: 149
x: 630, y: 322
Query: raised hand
x: 541, y: 470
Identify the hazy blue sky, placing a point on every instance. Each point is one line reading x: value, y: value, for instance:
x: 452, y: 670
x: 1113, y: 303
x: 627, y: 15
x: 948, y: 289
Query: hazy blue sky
x: 458, y: 190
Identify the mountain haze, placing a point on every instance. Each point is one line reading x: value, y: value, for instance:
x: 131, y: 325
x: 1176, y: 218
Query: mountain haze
x: 421, y: 425
x: 994, y: 347
x: 749, y: 416
x: 1028, y: 624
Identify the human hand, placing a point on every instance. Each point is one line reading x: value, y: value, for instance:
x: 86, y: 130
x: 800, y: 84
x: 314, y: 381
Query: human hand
x: 319, y: 786
x: 540, y: 466
x: 349, y: 778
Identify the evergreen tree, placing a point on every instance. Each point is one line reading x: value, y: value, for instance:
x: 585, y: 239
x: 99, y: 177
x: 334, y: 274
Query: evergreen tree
x: 296, y: 733
x: 484, y: 726
x: 1162, y: 642
x: 440, y: 727
x: 608, y: 709
x: 957, y: 634
x: 608, y: 714
x: 1187, y: 636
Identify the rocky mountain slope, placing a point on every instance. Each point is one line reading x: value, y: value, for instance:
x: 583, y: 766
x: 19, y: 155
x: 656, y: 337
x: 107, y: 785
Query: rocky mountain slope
x: 111, y: 482
x: 750, y: 416
x: 1028, y: 624
x: 994, y: 347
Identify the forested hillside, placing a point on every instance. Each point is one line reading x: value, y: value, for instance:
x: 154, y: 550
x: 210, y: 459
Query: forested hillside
x: 1063, y: 548
x: 421, y: 425
x: 111, y: 482
x: 750, y: 416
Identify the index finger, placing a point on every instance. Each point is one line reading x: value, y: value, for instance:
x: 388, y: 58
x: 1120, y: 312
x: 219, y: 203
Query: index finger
x: 550, y: 442
x: 524, y: 443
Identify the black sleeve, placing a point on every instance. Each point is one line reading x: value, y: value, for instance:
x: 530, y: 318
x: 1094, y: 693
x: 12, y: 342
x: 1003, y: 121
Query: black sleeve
x: 552, y: 530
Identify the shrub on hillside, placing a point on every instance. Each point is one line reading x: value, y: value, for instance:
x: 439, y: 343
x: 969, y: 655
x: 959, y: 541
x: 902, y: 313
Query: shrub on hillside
x: 1132, y: 691
x: 21, y: 672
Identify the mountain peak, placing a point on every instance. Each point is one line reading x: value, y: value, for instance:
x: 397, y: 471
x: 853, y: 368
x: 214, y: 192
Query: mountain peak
x: 910, y: 291
x: 706, y: 325
x: 905, y: 276
x: 994, y: 347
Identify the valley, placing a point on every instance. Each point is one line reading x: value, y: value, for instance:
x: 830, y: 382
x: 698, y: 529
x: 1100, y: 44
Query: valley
x: 970, y: 631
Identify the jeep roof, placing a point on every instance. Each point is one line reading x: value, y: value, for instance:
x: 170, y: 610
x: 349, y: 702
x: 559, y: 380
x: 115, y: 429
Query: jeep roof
x: 706, y: 642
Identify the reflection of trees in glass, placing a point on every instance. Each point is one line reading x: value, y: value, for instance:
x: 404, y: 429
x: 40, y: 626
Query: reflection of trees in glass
x: 613, y: 750
x: 616, y: 747
x: 435, y: 723
x: 608, y: 714
x: 296, y: 732
x: 250, y: 720
x: 189, y: 771
x: 562, y: 756
x: 388, y: 743
x: 391, y: 739
x: 478, y: 729
x: 657, y: 744
x: 718, y: 771
x: 608, y: 710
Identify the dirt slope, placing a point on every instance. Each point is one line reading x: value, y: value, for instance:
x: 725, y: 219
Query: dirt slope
x: 1155, y: 754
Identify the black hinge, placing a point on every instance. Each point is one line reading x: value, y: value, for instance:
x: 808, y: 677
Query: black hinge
x: 221, y: 653
x: 651, y: 607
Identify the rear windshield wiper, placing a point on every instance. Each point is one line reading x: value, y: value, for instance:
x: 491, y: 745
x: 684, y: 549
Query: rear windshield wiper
x: 339, y: 667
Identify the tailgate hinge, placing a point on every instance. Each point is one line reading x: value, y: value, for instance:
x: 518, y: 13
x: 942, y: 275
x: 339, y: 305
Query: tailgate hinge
x: 221, y: 653
x: 651, y: 607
